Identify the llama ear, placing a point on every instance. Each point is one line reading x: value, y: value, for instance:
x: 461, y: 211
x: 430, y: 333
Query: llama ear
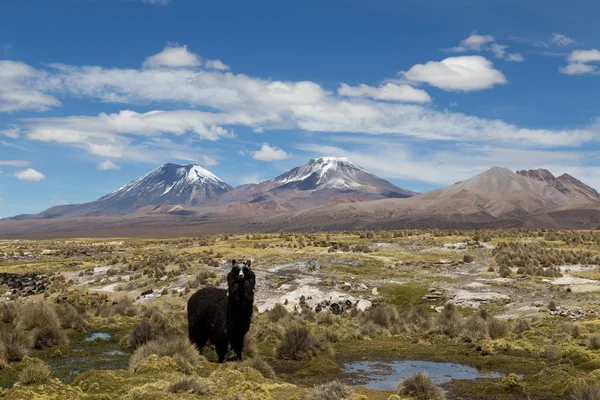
x: 233, y: 262
x: 248, y: 263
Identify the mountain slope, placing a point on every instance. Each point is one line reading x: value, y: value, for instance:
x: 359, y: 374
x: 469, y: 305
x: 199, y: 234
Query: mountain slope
x: 495, y: 195
x: 321, y: 181
x: 564, y: 183
x: 188, y: 185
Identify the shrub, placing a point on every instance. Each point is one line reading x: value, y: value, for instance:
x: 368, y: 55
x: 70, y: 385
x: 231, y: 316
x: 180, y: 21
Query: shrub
x: 261, y: 366
x: 382, y: 315
x: 552, y: 305
x: 8, y: 312
x: 421, y: 387
x: 588, y: 390
x: 299, y: 343
x: 37, y: 315
x: 70, y: 318
x: 154, y: 325
x: 474, y: 328
x: 594, y: 342
x: 468, y: 259
x: 278, y: 313
x: 448, y: 322
x: 496, y: 329
x: 14, y: 343
x: 189, y: 384
x: 180, y: 349
x: 521, y: 326
x: 334, y: 390
x: 124, y: 307
x: 35, y: 372
x: 50, y: 336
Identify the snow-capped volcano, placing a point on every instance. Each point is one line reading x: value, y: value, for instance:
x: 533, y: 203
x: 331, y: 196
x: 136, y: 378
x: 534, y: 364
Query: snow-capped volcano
x: 324, y: 180
x: 331, y: 172
x: 189, y: 185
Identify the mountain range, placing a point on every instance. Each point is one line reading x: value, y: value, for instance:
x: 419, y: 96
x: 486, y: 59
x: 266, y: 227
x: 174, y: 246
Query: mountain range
x: 326, y: 193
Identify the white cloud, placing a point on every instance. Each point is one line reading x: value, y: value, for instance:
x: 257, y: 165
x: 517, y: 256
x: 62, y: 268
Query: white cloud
x: 173, y: 56
x: 216, y: 64
x: 12, y: 133
x: 29, y: 174
x: 579, y: 62
x: 157, y: 2
x: 16, y: 92
x: 107, y: 165
x: 389, y: 91
x: 14, y: 163
x: 270, y: 153
x: 562, y: 40
x: 255, y: 178
x: 465, y: 73
x: 478, y: 43
x: 208, y: 161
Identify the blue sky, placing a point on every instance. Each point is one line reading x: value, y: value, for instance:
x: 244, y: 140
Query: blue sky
x: 94, y: 93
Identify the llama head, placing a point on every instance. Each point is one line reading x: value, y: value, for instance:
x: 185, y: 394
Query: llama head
x: 241, y: 279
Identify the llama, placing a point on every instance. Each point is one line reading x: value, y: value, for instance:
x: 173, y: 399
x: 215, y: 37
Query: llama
x: 222, y: 317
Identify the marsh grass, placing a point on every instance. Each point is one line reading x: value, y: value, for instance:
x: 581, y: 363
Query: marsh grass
x: 14, y: 343
x: 299, y: 343
x: 334, y: 390
x: 37, y: 315
x: 189, y: 384
x: 180, y: 349
x: 35, y: 372
x: 48, y: 337
x: 420, y: 387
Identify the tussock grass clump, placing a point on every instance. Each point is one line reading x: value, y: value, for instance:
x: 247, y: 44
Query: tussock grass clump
x: 334, y: 390
x: 299, y: 343
x: 180, y: 349
x: 418, y: 317
x: 70, y: 318
x: 421, y: 387
x: 153, y: 325
x: 588, y: 390
x: 552, y: 305
x: 261, y: 366
x: 521, y: 326
x: 383, y: 315
x: 50, y: 336
x: 474, y: 328
x: 191, y: 385
x: 496, y: 329
x: 34, y: 373
x: 448, y: 322
x: 37, y: 315
x: 594, y: 342
x: 124, y: 307
x: 14, y: 343
x: 8, y: 313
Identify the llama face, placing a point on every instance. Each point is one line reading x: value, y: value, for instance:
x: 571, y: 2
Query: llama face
x: 241, y: 275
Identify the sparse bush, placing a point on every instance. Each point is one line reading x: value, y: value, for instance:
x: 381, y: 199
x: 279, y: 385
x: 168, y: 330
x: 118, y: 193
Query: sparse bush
x: 277, y: 313
x: 47, y: 337
x: 153, y: 325
x: 496, y: 329
x: 334, y: 390
x: 421, y: 387
x: 473, y: 328
x: 383, y: 315
x: 587, y: 390
x: 448, y: 322
x: 70, y: 318
x: 8, y: 312
x: 418, y: 317
x: 261, y: 366
x: 299, y: 343
x: 124, y: 307
x: 35, y: 372
x: 594, y: 342
x: 552, y: 305
x: 190, y: 384
x: 521, y: 326
x: 14, y: 343
x: 467, y: 259
x: 37, y: 315
x: 180, y: 349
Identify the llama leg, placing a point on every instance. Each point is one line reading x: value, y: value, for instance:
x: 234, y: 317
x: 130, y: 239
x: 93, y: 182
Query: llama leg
x: 238, y: 347
x: 198, y: 338
x: 221, y: 346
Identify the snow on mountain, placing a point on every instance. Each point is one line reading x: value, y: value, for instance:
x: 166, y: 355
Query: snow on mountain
x: 333, y: 172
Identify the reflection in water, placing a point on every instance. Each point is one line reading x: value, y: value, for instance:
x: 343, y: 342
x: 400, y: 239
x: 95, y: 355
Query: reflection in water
x: 377, y: 375
x: 97, y: 335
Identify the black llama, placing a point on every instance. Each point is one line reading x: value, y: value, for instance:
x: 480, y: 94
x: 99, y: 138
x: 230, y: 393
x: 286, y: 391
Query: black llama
x: 222, y: 317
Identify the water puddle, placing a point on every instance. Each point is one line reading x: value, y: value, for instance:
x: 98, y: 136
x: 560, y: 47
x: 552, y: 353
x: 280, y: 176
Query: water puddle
x: 385, y: 375
x: 98, y: 335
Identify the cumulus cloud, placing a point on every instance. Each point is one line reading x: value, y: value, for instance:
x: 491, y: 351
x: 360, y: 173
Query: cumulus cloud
x: 16, y: 92
x: 270, y: 153
x: 478, y: 43
x: 29, y: 174
x: 562, y: 40
x: 579, y: 62
x: 465, y: 73
x: 216, y: 64
x: 14, y: 163
x: 389, y: 91
x: 107, y: 165
x: 12, y: 133
x: 173, y: 56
